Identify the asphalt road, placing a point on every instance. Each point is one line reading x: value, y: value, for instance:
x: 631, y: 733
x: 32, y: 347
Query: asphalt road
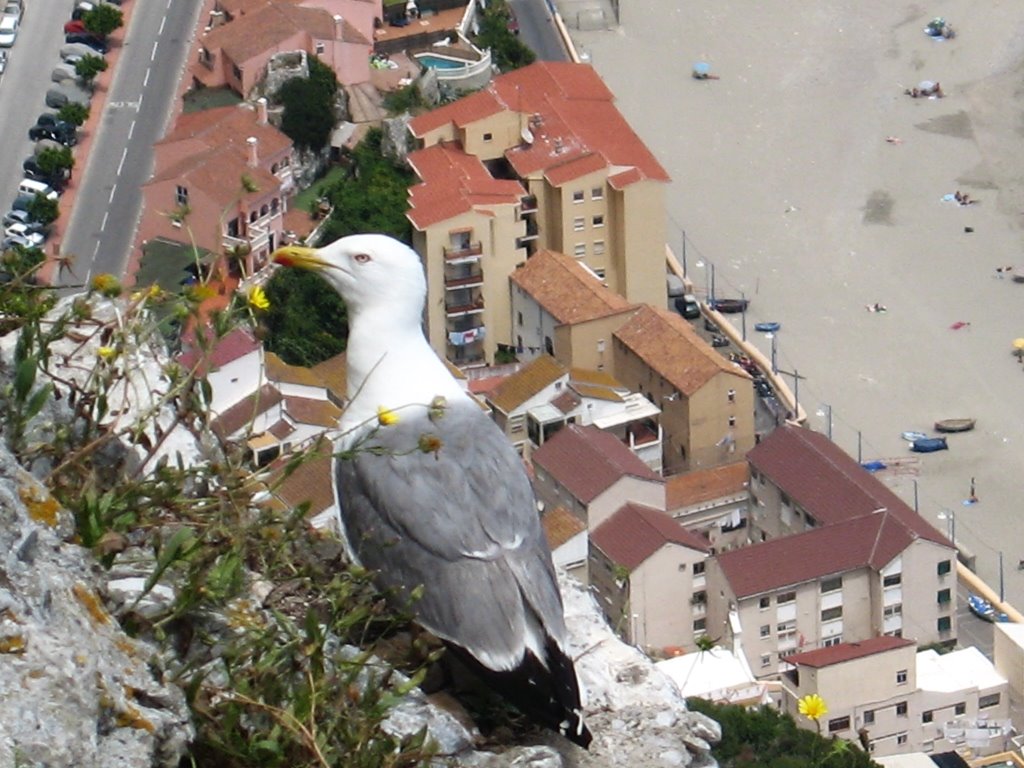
x: 106, y: 212
x: 537, y: 29
x: 24, y: 83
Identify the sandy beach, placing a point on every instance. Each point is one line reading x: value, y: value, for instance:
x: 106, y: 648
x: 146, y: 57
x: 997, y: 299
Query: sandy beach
x: 783, y: 178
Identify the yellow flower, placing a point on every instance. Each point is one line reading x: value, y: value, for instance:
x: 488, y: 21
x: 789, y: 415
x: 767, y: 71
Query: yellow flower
x: 386, y: 417
x: 106, y: 353
x: 812, y: 706
x: 107, y: 284
x: 258, y: 298
x: 200, y: 292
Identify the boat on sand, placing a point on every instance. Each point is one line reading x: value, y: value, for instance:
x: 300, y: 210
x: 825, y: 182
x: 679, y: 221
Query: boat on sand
x: 955, y: 425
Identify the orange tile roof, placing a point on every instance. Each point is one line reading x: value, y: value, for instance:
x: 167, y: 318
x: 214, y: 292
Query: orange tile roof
x: 635, y: 532
x: 278, y: 370
x: 671, y: 348
x: 565, y: 289
x: 571, y: 115
x: 310, y: 481
x: 219, y: 172
x: 307, y: 410
x: 221, y: 126
x: 454, y: 183
x: 333, y: 373
x: 560, y: 525
x: 704, y: 485
x: 525, y: 383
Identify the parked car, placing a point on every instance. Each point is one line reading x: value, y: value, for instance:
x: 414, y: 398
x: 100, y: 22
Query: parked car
x: 77, y: 50
x: 84, y: 38
x: 64, y: 93
x: 33, y: 171
x: 12, y: 240
x: 8, y: 31
x: 31, y: 187
x: 63, y: 134
x: 64, y: 71
x: 15, y: 216
x: 12, y: 9
x: 34, y: 239
x: 81, y: 9
x: 75, y: 25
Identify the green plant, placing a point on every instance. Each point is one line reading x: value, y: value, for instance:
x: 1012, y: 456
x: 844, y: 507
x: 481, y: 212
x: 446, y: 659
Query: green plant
x: 89, y: 66
x: 55, y: 161
x: 103, y: 19
x: 73, y: 113
x: 507, y: 51
x: 407, y: 99
x: 43, y: 209
x: 308, y: 117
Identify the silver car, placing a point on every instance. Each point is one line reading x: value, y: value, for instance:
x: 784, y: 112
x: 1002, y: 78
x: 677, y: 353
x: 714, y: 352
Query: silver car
x: 8, y: 31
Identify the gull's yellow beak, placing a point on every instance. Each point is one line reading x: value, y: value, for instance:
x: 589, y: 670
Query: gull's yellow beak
x: 298, y: 256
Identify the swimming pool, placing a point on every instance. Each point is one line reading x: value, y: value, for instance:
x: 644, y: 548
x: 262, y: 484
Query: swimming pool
x: 441, y: 62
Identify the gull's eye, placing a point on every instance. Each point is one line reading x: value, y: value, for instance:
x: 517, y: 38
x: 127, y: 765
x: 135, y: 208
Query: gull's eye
x: 362, y: 258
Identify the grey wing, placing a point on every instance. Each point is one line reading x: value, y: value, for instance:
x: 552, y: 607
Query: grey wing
x: 463, y: 523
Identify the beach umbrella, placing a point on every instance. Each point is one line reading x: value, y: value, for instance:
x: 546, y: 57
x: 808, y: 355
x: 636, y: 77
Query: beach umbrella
x: 701, y: 69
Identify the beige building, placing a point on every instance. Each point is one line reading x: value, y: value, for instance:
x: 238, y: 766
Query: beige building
x: 593, y: 474
x: 647, y: 573
x: 846, y: 582
x: 712, y: 502
x: 884, y: 692
x: 540, y: 159
x: 707, y: 402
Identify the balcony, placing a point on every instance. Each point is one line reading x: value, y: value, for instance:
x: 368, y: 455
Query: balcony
x: 528, y: 204
x: 463, y: 252
x: 470, y: 278
x: 459, y: 308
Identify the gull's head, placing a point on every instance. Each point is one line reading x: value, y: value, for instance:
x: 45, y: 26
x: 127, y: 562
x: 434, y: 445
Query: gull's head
x: 367, y: 270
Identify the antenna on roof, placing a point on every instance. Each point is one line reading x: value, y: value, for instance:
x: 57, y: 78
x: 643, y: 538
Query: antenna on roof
x: 527, y: 134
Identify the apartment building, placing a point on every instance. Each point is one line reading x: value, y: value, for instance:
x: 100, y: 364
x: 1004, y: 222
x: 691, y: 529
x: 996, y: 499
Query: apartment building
x: 707, y: 402
x: 712, y: 502
x: 846, y: 582
x: 221, y: 182
x: 539, y: 159
x: 647, y: 574
x: 886, y: 694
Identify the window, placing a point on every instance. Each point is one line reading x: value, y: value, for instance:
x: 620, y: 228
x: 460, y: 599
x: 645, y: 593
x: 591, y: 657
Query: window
x: 901, y: 738
x: 901, y: 708
x: 731, y: 394
x: 839, y: 724
x: 988, y: 701
x: 598, y: 247
x: 831, y: 614
x: 766, y: 660
x: 869, y: 716
x: 699, y: 598
x: 597, y: 221
x: 578, y: 224
x: 597, y: 193
x: 766, y: 630
x: 577, y: 196
x: 236, y: 72
x: 698, y: 568
x: 960, y: 709
x: 519, y: 318
x: 488, y: 136
x: 927, y: 717
x: 901, y: 677
x: 944, y: 596
x: 786, y: 597
x: 893, y: 610
x: 319, y: 48
x: 830, y: 641
x: 833, y: 584
x: 580, y: 249
x: 181, y: 195
x: 732, y: 421
x: 699, y: 625
x: 764, y: 602
x: 944, y: 567
x: 892, y: 580
x: 944, y: 624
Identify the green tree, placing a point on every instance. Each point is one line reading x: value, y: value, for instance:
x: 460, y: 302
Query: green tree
x: 43, y: 209
x: 54, y: 162
x: 308, y: 117
x: 103, y: 19
x: 507, y: 51
x: 306, y: 322
x: 89, y: 66
x: 18, y: 260
x: 73, y: 113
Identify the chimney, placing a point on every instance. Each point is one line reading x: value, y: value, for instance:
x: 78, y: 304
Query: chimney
x: 261, y: 111
x: 254, y: 155
x: 339, y: 24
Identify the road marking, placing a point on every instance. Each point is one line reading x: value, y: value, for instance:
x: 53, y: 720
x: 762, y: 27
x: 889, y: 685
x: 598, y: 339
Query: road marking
x: 103, y: 226
x: 162, y: 22
x: 145, y: 80
x: 113, y: 189
x: 126, y: 104
x: 153, y: 54
x: 131, y: 130
x: 124, y: 154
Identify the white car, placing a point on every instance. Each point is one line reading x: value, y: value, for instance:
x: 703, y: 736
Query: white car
x: 20, y: 232
x: 12, y: 9
x: 8, y: 31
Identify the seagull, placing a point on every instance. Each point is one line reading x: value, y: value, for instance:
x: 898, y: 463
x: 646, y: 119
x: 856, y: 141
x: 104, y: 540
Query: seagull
x: 434, y: 499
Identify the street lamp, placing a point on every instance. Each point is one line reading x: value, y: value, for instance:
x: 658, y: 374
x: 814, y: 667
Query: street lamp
x: 772, y: 336
x: 950, y: 517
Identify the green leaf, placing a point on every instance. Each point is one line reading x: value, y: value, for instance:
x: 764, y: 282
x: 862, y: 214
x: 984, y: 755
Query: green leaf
x: 38, y: 400
x: 24, y: 378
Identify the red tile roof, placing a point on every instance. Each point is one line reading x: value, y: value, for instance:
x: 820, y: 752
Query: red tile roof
x: 837, y: 654
x: 565, y: 289
x: 636, y: 532
x: 560, y: 525
x: 244, y: 411
x: 588, y: 461
x: 869, y: 541
x: 828, y: 483
x: 236, y: 344
x: 454, y: 183
x: 219, y: 172
x: 571, y: 115
x: 705, y: 485
x: 221, y: 126
x: 672, y: 349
